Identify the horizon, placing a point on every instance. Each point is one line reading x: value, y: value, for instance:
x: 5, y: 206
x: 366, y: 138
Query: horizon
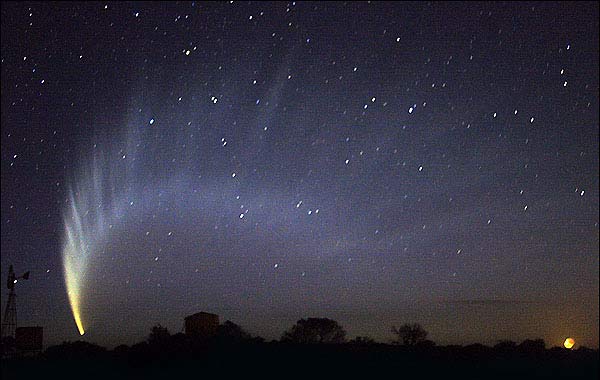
x: 376, y: 163
x: 376, y: 328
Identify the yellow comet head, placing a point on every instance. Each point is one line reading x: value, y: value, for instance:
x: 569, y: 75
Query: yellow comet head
x: 95, y: 198
x: 74, y: 299
x: 569, y: 343
x: 74, y: 257
x: 79, y: 324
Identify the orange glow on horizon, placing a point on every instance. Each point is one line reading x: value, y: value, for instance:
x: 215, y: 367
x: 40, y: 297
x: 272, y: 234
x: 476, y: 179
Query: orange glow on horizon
x: 569, y: 343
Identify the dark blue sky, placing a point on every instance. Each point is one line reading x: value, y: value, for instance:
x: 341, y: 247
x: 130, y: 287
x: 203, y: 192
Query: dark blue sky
x: 375, y: 163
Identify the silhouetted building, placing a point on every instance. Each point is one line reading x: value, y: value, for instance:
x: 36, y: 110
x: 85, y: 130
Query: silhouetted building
x: 202, y: 324
x: 29, y: 339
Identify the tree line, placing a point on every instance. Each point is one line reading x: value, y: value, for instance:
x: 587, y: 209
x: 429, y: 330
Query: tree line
x: 309, y: 345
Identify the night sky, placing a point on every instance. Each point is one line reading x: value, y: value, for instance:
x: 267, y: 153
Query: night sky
x: 374, y: 163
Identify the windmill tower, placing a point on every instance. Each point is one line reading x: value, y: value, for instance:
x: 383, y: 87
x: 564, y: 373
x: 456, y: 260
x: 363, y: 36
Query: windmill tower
x: 9, y: 323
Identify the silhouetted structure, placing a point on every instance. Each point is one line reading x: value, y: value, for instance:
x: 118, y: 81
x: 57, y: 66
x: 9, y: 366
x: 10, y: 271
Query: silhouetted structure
x: 204, y: 325
x: 9, y: 324
x: 179, y: 356
x: 29, y: 340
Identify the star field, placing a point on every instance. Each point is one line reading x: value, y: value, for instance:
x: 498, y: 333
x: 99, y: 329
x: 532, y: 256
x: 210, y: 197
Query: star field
x: 376, y: 163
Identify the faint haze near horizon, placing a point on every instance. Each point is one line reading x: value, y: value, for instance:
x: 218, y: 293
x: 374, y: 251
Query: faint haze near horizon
x: 376, y: 163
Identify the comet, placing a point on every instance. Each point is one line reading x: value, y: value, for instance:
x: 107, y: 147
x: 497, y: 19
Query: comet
x: 78, y: 244
x: 73, y: 259
x: 112, y: 178
x: 88, y: 216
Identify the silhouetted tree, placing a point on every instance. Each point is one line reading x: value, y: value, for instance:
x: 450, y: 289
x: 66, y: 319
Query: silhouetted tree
x: 232, y: 332
x: 426, y: 344
x: 476, y: 350
x: 121, y: 351
x: 158, y: 334
x: 362, y: 340
x: 409, y: 334
x: 75, y: 350
x: 315, y: 330
x: 532, y: 346
x: 505, y: 346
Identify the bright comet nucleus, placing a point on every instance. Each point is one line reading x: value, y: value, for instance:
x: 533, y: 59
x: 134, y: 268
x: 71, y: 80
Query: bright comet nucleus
x: 113, y: 176
x: 89, y: 211
x: 74, y: 260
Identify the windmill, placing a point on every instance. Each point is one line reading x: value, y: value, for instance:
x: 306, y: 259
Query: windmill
x: 9, y: 323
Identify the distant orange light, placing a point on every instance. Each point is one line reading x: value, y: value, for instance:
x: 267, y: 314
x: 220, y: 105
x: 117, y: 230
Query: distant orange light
x: 569, y: 342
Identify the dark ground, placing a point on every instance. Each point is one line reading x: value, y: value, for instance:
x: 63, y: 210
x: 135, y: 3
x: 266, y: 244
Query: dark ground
x: 278, y: 360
